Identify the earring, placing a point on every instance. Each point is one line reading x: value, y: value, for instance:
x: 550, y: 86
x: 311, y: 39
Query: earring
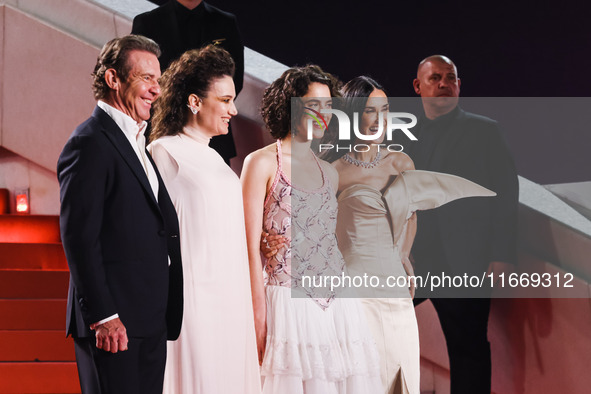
x: 193, y: 109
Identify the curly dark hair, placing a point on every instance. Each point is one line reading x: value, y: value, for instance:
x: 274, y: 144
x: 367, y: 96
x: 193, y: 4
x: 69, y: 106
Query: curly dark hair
x: 351, y: 101
x: 192, y: 73
x: 276, y: 107
x: 115, y: 54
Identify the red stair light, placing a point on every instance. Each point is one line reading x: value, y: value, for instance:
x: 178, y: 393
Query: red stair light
x: 22, y: 201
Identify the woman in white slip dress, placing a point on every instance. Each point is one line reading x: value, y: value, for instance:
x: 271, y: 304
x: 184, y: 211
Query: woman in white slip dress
x: 216, y: 350
x: 310, y: 341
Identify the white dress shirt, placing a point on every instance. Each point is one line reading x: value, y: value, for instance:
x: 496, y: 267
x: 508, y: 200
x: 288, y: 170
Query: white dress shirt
x: 135, y: 135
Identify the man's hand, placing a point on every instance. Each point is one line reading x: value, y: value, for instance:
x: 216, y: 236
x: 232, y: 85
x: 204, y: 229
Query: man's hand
x: 111, y: 336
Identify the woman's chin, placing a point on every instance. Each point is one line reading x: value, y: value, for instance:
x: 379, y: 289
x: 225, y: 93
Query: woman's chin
x: 378, y: 140
x: 317, y: 133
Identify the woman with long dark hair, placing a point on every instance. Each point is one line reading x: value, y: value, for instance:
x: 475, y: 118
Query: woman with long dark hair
x: 378, y: 194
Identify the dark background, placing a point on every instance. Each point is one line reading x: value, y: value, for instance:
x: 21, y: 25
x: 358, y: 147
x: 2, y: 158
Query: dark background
x: 501, y: 49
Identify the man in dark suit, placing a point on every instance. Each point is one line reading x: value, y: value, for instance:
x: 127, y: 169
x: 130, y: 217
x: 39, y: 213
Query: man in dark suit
x: 120, y: 231
x: 180, y: 25
x: 472, y: 236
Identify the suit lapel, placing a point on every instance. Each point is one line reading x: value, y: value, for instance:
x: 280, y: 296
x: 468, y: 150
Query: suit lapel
x: 162, y: 192
x: 115, y: 135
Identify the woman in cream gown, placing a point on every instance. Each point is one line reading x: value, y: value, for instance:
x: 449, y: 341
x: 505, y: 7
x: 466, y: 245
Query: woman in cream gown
x: 216, y: 350
x: 379, y: 191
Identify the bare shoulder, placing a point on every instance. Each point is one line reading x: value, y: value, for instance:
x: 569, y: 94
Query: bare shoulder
x: 263, y: 155
x: 261, y: 161
x: 401, y: 161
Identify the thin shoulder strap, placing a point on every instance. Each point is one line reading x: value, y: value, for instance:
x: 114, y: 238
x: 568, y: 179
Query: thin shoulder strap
x: 277, y: 173
x: 279, y: 155
x: 279, y: 161
x: 325, y: 179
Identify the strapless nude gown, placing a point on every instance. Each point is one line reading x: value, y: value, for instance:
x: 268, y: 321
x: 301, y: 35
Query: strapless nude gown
x: 370, y: 228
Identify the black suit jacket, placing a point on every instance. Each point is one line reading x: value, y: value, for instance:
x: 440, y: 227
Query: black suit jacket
x: 116, y: 236
x: 474, y: 231
x: 218, y: 26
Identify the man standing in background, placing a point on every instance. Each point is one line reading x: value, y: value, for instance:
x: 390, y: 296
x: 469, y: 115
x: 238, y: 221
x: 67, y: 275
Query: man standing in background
x: 472, y: 235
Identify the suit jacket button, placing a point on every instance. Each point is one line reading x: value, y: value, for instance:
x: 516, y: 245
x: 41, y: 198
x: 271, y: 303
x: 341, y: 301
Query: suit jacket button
x: 162, y: 233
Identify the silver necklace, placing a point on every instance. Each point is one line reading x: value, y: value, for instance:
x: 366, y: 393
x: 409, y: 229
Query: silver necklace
x: 363, y: 164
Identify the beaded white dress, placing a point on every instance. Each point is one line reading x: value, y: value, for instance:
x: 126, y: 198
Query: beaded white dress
x: 317, y: 343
